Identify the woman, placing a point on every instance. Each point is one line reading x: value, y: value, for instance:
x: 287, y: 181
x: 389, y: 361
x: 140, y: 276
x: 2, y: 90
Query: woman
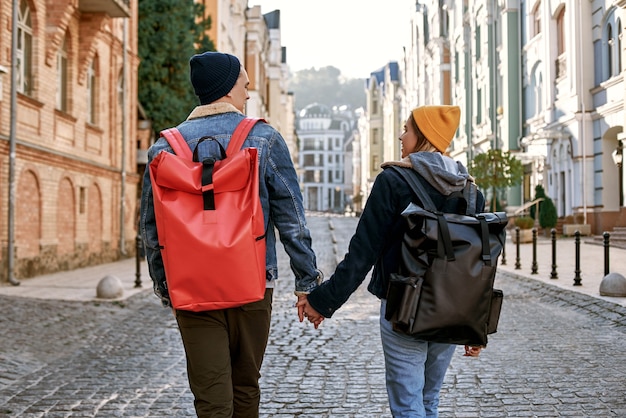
x: 415, y: 369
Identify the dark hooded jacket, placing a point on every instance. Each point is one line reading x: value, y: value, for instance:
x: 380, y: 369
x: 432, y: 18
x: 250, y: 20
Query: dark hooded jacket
x: 381, y: 227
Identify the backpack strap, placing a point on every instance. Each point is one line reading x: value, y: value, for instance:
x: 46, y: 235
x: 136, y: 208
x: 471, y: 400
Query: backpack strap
x: 181, y: 148
x: 470, y: 194
x: 416, y: 187
x: 177, y: 142
x: 240, y: 134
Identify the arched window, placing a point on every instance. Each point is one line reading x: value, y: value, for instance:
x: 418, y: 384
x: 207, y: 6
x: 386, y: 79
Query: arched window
x: 62, y: 69
x: 24, y: 49
x: 618, y: 28
x: 536, y: 16
x: 535, y: 92
x: 610, y: 44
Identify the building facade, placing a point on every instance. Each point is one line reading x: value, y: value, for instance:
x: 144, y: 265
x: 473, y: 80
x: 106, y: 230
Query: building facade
x: 74, y: 164
x: 540, y: 79
x: 325, y: 157
x: 78, y: 132
x: 383, y: 98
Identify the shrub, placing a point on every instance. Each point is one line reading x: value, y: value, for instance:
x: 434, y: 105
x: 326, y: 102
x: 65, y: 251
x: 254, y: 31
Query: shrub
x: 524, y: 222
x: 547, y: 214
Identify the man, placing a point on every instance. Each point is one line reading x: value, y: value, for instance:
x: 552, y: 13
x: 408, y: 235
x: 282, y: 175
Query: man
x: 225, y: 348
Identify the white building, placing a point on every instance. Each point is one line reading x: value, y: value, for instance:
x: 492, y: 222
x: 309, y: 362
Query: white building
x: 325, y: 157
x: 541, y: 79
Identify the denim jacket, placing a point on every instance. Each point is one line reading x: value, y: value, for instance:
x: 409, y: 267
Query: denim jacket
x: 279, y: 191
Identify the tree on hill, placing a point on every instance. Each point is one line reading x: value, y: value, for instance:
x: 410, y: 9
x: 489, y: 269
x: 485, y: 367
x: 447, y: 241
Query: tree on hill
x: 169, y: 33
x: 328, y: 87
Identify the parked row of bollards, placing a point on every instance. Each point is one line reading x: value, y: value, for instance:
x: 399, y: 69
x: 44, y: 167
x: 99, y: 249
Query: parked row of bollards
x: 553, y: 273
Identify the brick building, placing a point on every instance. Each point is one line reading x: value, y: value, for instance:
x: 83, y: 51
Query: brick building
x: 79, y: 134
x: 75, y: 170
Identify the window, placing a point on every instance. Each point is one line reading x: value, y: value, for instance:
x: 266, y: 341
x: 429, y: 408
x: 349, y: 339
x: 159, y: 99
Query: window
x: 536, y: 16
x: 62, y: 76
x: 443, y: 20
x: 92, y: 88
x: 478, y: 42
x: 120, y: 89
x: 24, y: 49
x: 560, y: 32
x: 536, y: 91
x: 618, y: 28
x: 610, y: 45
x: 479, y: 106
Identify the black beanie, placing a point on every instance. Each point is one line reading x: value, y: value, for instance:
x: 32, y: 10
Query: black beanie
x: 213, y: 75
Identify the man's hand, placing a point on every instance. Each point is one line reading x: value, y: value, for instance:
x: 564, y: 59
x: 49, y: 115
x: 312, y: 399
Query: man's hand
x: 306, y: 311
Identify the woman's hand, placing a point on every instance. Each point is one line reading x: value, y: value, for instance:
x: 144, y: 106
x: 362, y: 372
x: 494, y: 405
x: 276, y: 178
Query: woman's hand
x: 472, y: 350
x: 306, y: 311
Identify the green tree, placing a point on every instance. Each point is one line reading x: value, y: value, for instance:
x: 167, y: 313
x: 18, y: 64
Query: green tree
x: 169, y: 33
x: 496, y: 170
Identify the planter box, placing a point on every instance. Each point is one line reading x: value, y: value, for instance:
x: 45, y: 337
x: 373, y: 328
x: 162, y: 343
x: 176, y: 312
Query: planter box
x: 570, y: 229
x: 525, y: 235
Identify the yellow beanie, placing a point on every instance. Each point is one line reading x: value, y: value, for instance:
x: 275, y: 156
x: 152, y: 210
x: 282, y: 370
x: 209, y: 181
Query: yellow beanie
x: 438, y: 124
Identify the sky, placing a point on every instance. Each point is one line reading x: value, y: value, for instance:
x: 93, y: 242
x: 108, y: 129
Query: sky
x: 356, y: 36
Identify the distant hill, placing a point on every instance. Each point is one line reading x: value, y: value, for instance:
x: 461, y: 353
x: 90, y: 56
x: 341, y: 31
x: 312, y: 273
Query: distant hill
x: 326, y: 86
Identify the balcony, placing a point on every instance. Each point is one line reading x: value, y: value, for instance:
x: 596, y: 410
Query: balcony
x: 114, y: 8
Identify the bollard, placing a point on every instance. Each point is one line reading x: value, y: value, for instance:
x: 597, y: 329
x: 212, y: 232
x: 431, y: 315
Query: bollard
x: 517, y: 260
x: 533, y: 269
x: 606, y: 237
x: 577, y: 278
x: 138, y: 255
x: 504, y: 252
x: 553, y: 274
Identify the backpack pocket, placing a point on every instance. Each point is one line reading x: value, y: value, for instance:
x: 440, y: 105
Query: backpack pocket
x: 494, y: 310
x: 402, y: 301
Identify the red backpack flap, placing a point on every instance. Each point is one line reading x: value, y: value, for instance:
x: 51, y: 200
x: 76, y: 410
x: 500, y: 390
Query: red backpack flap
x: 214, y: 259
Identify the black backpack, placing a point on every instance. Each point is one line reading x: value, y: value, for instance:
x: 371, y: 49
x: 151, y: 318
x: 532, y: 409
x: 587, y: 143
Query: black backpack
x: 444, y: 291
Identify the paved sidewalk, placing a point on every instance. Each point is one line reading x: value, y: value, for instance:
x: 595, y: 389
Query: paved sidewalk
x: 80, y: 284
x: 591, y: 265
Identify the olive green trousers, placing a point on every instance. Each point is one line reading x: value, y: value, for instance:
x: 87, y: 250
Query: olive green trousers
x: 224, y: 350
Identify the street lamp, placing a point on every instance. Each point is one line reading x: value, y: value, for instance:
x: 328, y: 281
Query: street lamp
x: 618, y: 157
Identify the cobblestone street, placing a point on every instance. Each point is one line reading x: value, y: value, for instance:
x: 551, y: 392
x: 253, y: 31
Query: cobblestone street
x: 556, y: 354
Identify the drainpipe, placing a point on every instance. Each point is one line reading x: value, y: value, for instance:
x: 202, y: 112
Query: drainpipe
x: 12, y: 140
x: 582, y: 112
x: 124, y: 140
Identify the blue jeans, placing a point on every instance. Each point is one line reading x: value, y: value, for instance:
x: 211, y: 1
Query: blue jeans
x: 414, y: 371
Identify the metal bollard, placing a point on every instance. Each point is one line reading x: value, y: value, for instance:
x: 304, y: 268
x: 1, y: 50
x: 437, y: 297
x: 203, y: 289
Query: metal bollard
x: 138, y: 252
x: 577, y: 278
x: 553, y: 274
x: 517, y: 259
x: 607, y: 237
x: 504, y: 252
x: 533, y: 269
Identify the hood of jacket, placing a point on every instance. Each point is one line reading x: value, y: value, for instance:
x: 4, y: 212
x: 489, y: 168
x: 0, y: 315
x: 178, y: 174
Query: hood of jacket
x: 442, y: 172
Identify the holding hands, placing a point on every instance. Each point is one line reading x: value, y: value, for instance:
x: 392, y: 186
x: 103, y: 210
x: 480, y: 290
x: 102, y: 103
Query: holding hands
x: 305, y: 310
